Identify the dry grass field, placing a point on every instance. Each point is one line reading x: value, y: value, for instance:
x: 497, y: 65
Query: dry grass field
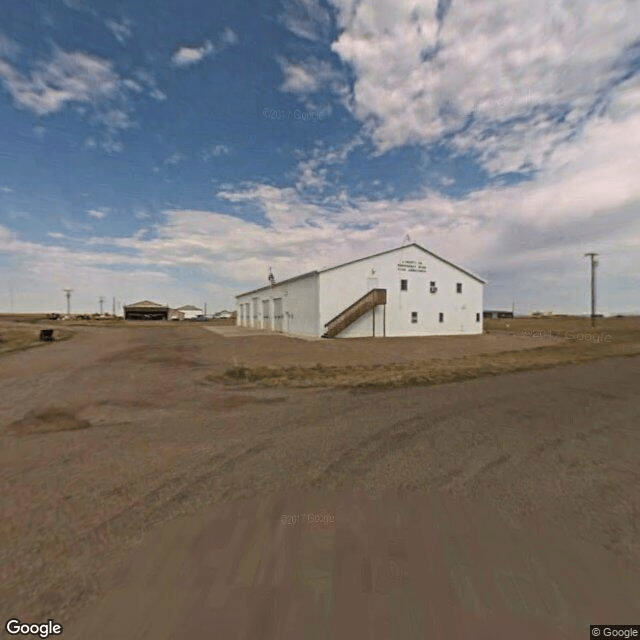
x: 107, y: 440
x: 561, y: 341
x: 14, y: 337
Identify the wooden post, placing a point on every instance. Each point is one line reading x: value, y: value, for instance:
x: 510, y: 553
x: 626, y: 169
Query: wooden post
x: 374, y: 321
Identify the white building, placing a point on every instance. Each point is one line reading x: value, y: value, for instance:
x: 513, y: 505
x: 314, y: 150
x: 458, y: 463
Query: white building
x: 189, y: 311
x: 407, y: 291
x: 222, y: 315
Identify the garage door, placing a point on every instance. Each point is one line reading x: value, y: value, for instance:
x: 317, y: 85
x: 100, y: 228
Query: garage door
x: 278, y: 316
x: 255, y: 313
x: 266, y: 319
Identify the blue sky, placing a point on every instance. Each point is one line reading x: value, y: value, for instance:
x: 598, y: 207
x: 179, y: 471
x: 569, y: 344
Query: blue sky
x: 176, y: 151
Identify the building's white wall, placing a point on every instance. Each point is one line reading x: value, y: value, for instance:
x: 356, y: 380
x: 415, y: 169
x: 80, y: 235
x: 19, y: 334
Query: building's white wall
x: 190, y: 314
x: 342, y: 286
x: 300, y: 305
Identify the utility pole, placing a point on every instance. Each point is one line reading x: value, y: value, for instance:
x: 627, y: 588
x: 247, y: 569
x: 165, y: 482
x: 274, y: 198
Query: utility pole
x: 68, y: 292
x: 594, y: 264
x: 113, y: 309
x: 101, y: 303
x: 205, y: 309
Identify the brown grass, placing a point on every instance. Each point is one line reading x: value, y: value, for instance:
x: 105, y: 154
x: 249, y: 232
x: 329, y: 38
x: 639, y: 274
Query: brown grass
x: 578, y: 342
x: 19, y: 338
x: 30, y: 318
x: 50, y: 421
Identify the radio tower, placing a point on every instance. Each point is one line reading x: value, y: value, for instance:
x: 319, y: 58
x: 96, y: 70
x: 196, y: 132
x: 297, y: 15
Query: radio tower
x: 68, y: 292
x: 101, y: 303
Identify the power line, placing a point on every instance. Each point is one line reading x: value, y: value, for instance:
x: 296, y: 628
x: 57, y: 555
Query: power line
x: 68, y: 292
x: 594, y: 264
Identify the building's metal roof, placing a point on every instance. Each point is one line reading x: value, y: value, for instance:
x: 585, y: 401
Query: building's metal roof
x: 287, y: 281
x: 188, y: 307
x: 375, y: 255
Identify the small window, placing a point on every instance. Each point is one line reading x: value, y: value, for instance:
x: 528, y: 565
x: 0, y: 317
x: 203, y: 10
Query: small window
x: 432, y: 283
x: 459, y: 287
x: 441, y: 317
x: 403, y: 285
x: 414, y: 316
x: 477, y: 317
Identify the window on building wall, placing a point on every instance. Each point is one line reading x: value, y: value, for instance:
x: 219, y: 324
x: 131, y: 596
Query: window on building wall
x: 404, y: 285
x: 432, y: 283
x: 477, y: 317
x: 414, y: 316
x: 459, y: 287
x: 441, y: 317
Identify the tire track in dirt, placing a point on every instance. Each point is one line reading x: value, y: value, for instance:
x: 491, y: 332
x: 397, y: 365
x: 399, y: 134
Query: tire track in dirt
x: 166, y: 494
x: 359, y: 458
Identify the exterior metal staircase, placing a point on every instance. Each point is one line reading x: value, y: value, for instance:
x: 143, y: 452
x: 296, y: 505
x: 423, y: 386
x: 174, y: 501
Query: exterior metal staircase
x: 369, y: 300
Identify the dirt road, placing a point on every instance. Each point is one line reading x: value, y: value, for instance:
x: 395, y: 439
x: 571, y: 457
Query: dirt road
x: 107, y: 438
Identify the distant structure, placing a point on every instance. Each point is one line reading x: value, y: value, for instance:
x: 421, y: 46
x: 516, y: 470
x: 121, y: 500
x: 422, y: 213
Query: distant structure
x: 68, y: 292
x: 223, y: 315
x: 489, y: 313
x: 146, y: 310
x: 189, y: 311
x: 594, y: 264
x: 101, y: 305
x: 272, y: 280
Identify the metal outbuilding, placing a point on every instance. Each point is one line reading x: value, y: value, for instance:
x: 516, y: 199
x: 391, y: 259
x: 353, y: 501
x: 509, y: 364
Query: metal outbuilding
x: 146, y: 310
x: 189, y: 311
x: 406, y: 291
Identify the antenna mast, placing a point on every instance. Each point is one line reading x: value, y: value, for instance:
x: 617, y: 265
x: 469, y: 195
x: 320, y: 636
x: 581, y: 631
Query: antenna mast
x: 68, y: 292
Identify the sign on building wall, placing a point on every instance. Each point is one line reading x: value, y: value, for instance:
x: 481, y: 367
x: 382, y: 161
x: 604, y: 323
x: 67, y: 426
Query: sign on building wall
x: 412, y: 265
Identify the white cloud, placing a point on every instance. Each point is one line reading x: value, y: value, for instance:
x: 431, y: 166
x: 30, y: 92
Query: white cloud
x: 215, y: 151
x: 8, y: 48
x: 146, y: 78
x: 307, y: 19
x: 55, y: 235
x: 6, y: 189
x: 311, y: 76
x: 174, y: 158
x: 68, y: 77
x: 98, y: 214
x: 78, y: 79
x: 158, y: 95
x: 520, y: 77
x: 228, y: 37
x: 121, y: 30
x: 132, y: 84
x: 188, y: 55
